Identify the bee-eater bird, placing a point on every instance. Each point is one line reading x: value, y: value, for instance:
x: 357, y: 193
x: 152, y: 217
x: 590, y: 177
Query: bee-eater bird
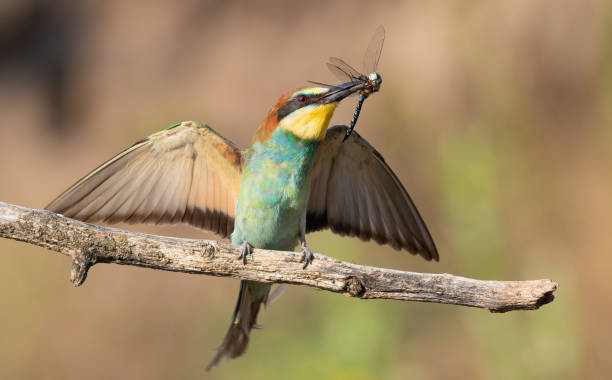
x: 297, y: 176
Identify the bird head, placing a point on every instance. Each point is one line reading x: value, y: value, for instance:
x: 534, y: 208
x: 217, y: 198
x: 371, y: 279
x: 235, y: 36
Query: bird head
x: 305, y: 112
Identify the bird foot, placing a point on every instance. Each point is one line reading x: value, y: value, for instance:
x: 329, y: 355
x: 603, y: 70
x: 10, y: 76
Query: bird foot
x: 307, y: 256
x: 245, y: 250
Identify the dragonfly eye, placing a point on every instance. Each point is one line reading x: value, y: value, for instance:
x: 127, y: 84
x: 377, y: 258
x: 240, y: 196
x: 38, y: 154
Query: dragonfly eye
x: 302, y: 98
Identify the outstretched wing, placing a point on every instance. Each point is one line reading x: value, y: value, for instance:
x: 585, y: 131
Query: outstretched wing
x: 185, y: 173
x: 355, y: 193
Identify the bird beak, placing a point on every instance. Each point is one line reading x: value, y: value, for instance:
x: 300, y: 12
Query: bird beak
x: 337, y: 93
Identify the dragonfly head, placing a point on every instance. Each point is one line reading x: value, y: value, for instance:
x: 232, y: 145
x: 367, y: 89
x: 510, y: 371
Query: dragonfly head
x: 374, y: 82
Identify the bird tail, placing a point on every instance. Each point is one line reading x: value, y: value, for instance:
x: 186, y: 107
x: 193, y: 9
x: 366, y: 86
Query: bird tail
x: 252, y: 295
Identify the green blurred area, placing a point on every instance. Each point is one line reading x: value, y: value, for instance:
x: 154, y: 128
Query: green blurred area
x: 495, y: 115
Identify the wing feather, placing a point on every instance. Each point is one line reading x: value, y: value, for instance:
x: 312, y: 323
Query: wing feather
x: 355, y: 193
x: 186, y: 173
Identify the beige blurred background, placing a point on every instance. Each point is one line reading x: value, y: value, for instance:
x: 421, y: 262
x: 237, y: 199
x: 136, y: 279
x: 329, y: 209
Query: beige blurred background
x: 495, y: 115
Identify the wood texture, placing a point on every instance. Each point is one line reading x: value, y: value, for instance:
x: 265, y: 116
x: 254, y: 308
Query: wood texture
x: 89, y: 244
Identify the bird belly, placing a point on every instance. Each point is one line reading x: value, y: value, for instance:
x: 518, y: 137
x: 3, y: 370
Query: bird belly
x: 271, y: 209
x: 272, y: 214
x: 274, y: 192
x: 275, y: 228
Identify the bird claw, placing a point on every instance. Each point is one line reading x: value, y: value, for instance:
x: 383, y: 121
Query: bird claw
x: 307, y: 256
x: 245, y: 250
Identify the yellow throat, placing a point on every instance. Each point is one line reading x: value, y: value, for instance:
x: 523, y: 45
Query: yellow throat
x: 310, y: 122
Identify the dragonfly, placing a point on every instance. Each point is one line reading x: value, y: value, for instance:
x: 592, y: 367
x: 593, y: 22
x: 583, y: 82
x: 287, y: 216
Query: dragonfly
x: 370, y: 83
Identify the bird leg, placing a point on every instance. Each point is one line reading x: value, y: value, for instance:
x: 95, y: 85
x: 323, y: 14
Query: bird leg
x: 245, y: 250
x: 307, y: 255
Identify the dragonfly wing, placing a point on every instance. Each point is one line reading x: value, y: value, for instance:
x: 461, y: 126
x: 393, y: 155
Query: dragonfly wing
x: 372, y: 55
x: 343, y: 70
x: 321, y: 84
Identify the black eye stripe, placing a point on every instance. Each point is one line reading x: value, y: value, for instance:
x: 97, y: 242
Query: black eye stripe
x: 292, y: 105
x: 289, y: 107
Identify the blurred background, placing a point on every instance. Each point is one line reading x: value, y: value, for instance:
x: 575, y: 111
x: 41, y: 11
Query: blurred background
x: 495, y: 115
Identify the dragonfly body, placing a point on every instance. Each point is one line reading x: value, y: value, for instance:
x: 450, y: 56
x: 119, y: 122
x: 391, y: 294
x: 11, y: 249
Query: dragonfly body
x: 371, y: 84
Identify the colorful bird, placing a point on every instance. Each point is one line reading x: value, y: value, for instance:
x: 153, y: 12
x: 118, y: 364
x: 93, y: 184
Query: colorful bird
x: 296, y: 177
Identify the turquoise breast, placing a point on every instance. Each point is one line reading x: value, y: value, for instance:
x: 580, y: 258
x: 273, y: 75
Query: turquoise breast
x: 274, y: 192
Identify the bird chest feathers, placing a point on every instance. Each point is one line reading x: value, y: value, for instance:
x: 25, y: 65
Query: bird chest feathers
x: 275, y: 187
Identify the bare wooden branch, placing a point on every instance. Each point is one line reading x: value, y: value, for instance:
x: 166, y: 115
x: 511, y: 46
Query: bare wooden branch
x: 89, y: 244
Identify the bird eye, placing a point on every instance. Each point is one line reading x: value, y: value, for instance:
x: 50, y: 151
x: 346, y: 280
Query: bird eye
x: 302, y: 98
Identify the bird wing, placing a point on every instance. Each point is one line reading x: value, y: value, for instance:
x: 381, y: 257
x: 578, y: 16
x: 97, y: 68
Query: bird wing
x: 185, y: 173
x: 354, y: 192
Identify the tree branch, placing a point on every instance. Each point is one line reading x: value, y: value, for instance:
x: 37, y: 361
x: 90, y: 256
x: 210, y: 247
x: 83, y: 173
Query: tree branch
x: 89, y: 244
